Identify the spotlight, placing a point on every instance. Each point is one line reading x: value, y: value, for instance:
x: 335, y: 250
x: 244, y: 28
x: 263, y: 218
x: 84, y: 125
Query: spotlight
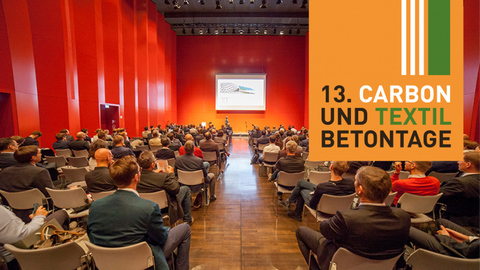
x: 208, y: 30
x: 281, y: 32
x: 184, y: 31
x: 257, y: 31
x: 279, y: 2
x: 240, y: 31
x: 216, y: 31
x: 193, y: 31
x: 264, y: 4
x: 298, y: 31
x: 202, y: 2
x: 218, y: 5
x: 200, y: 31
x: 265, y: 31
x: 304, y: 4
x: 275, y: 30
x: 252, y: 1
x: 167, y: 2
x: 185, y: 2
x: 290, y: 32
x: 175, y: 4
x: 241, y: 2
x: 230, y: 1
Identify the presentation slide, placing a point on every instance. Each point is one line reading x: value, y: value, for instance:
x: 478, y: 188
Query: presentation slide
x: 240, y: 92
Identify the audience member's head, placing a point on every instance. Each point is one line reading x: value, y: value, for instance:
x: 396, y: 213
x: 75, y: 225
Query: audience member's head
x: 469, y: 145
x: 220, y: 133
x: 272, y: 139
x: 340, y: 167
x: 155, y: 134
x: 165, y: 141
x: 60, y: 136
x: 118, y: 140
x: 65, y: 131
x: 84, y: 130
x: 36, y: 134
x: 372, y: 184
x: 106, y: 131
x: 208, y: 136
x: 26, y: 154
x: 18, y: 139
x: 103, y: 156
x: 188, y: 137
x: 125, y: 171
x: 98, y: 144
x: 296, y: 139
x: 291, y: 148
x: 8, y: 145
x: 420, y: 166
x: 264, y: 132
x: 465, y: 137
x: 189, y: 147
x: 101, y: 135
x: 146, y: 160
x: 80, y: 135
x: 171, y: 136
x: 470, y: 162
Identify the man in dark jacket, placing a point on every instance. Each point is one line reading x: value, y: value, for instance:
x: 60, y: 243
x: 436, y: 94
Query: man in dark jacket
x: 61, y: 142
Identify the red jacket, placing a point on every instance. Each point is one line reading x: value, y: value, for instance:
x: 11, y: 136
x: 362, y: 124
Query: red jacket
x: 425, y: 186
x: 197, y: 152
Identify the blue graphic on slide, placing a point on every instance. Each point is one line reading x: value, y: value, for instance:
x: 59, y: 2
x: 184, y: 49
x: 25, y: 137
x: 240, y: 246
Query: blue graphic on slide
x: 235, y: 89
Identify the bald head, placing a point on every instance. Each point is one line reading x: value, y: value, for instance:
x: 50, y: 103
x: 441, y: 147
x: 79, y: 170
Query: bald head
x: 103, y: 156
x: 188, y: 137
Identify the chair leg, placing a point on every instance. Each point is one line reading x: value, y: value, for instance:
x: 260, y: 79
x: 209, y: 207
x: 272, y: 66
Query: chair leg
x: 273, y: 200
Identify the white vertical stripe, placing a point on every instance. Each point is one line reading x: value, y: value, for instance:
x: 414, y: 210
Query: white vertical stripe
x: 421, y: 36
x: 404, y: 37
x: 412, y: 37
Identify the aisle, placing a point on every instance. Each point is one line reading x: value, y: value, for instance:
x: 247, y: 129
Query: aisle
x: 240, y: 230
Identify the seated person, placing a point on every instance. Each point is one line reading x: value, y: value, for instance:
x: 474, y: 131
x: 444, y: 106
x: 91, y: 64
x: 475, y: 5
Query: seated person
x: 189, y: 162
x: 271, y: 148
x: 263, y: 139
x: 99, y: 179
x: 80, y: 143
x: 61, y: 142
x: 8, y: 146
x: 451, y: 240
x: 174, y: 143
x: 165, y: 152
x: 120, y: 150
x: 197, y: 152
x: 210, y: 146
x: 335, y: 186
x: 155, y: 141
x: 461, y: 194
x: 13, y: 229
x: 443, y: 167
x: 32, y: 139
x: 283, y: 153
x: 372, y: 230
x: 417, y: 183
x: 152, y: 181
x: 135, y: 220
x: 290, y: 164
x: 219, y: 139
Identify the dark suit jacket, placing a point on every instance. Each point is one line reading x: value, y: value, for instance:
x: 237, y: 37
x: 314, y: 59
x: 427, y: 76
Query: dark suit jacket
x: 290, y: 164
x: 30, y: 141
x: 7, y: 160
x: 462, y: 197
x: 374, y: 232
x: 99, y: 180
x: 210, y: 146
x: 70, y: 138
x: 25, y: 176
x: 189, y: 162
x: 283, y: 153
x: 174, y: 146
x: 263, y: 140
x: 61, y: 144
x: 121, y: 151
x: 340, y: 188
x: 443, y: 167
x: 165, y: 154
x: 79, y: 145
x: 151, y: 182
x: 123, y: 219
x: 180, y: 137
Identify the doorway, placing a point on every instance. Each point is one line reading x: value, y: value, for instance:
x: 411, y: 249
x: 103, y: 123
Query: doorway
x: 6, y: 116
x: 109, y: 117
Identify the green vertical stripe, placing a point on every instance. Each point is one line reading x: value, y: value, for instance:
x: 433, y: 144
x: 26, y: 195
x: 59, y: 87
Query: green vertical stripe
x: 439, y: 37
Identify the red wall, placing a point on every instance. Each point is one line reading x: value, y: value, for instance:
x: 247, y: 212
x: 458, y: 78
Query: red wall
x: 61, y: 59
x: 282, y: 58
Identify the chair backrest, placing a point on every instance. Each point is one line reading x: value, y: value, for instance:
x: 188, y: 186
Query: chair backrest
x: 312, y: 164
x: 24, y: 199
x: 290, y: 179
x: 103, y: 194
x: 403, y: 175
x: 78, y: 162
x: 390, y: 173
x: 261, y: 146
x: 134, y: 257
x: 426, y: 259
x: 390, y: 198
x: 63, y: 152
x: 142, y: 147
x: 270, y: 156
x: 159, y: 197
x: 255, y: 141
x: 68, y: 198
x: 59, y: 160
x: 177, y: 154
x: 442, y: 177
x: 319, y: 177
x: 80, y: 153
x: 330, y: 204
x: 305, y: 156
x: 155, y: 147
x: 209, y: 156
x: 66, y: 256
x: 344, y: 259
x: 418, y: 204
x: 190, y: 178
x: 221, y: 146
x: 171, y: 162
x: 75, y: 174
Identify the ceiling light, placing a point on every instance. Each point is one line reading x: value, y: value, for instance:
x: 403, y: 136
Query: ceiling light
x: 167, y: 2
x: 265, y: 31
x: 240, y: 2
x: 279, y: 2
x: 193, y: 31
x: 175, y: 4
x: 264, y: 4
x: 218, y: 5
x: 216, y: 31
x: 201, y: 31
x: 290, y: 32
x: 257, y: 31
x: 185, y: 2
x: 281, y: 32
x: 240, y: 31
x: 252, y: 1
x: 230, y: 1
x: 298, y: 31
x: 304, y: 4
x: 184, y: 31
x: 202, y: 2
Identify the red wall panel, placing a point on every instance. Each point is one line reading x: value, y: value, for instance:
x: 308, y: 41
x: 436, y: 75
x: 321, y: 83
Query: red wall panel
x: 282, y: 58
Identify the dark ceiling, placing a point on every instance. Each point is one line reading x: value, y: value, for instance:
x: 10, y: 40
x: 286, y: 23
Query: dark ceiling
x: 236, y: 17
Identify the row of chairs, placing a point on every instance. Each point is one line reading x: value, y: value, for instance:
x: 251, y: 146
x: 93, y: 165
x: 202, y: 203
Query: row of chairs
x: 68, y: 153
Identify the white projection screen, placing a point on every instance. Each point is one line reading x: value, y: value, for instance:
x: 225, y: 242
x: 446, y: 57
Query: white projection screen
x: 240, y: 92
